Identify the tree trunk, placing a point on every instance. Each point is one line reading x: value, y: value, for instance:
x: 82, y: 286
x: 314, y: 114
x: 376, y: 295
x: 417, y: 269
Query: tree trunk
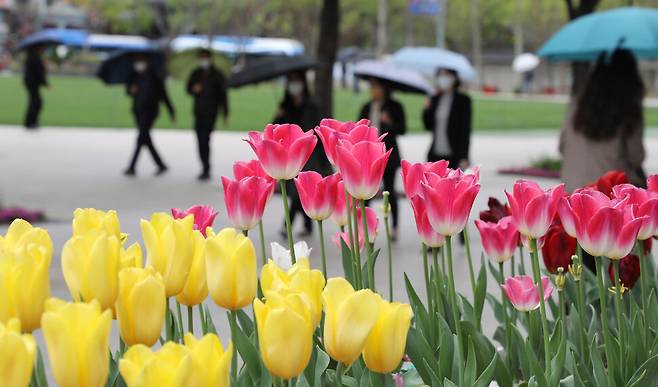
x: 327, y: 46
x: 476, y: 39
x: 382, y: 27
x: 579, y: 70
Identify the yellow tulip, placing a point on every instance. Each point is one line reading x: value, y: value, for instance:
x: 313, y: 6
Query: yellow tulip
x: 90, y: 263
x: 196, y: 288
x: 140, y: 367
x: 231, y: 269
x: 299, y: 278
x: 385, y: 346
x: 170, y: 246
x: 130, y: 257
x: 77, y: 337
x: 91, y: 219
x: 285, y: 333
x: 141, y: 305
x: 208, y: 363
x: 16, y: 354
x: 349, y: 318
x: 25, y: 254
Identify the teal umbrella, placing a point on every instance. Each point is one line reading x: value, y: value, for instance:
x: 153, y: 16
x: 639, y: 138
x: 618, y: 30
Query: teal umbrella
x: 584, y: 39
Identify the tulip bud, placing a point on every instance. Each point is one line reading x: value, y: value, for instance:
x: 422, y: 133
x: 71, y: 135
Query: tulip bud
x: 140, y: 367
x: 208, y: 363
x: 386, y: 207
x: 349, y: 318
x: 90, y: 263
x: 77, y: 338
x: 560, y: 279
x: 285, y: 333
x: 25, y: 254
x: 91, y: 219
x: 231, y: 269
x: 196, y: 288
x: 385, y: 346
x: 130, y: 257
x: 141, y: 305
x: 170, y: 247
x: 576, y: 269
x: 16, y: 354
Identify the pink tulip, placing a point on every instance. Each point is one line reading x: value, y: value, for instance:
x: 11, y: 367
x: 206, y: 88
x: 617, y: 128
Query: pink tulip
x: 317, y: 194
x: 371, y: 220
x: 330, y: 131
x: 523, y: 294
x: 245, y: 200
x: 644, y: 203
x: 652, y: 183
x: 282, y: 149
x: 414, y: 174
x: 449, y: 200
x: 345, y: 237
x: 425, y: 231
x: 604, y: 227
x: 242, y: 169
x: 498, y: 239
x: 339, y: 210
x: 362, y: 166
x: 532, y: 208
x: 204, y: 216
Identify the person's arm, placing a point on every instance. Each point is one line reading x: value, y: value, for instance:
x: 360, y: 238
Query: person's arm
x: 428, y: 115
x: 191, y: 81
x: 635, y: 151
x: 222, y: 89
x: 399, y: 125
x: 465, y: 131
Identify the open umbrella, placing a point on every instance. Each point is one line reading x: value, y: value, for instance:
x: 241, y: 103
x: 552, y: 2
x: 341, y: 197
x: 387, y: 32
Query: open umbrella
x: 116, y: 69
x: 405, y: 80
x: 265, y: 69
x: 525, y: 62
x: 428, y: 59
x: 182, y: 63
x: 584, y: 39
x: 69, y: 37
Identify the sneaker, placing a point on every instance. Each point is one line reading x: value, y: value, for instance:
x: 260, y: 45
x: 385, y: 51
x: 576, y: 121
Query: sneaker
x: 129, y: 172
x: 204, y: 176
x: 161, y: 170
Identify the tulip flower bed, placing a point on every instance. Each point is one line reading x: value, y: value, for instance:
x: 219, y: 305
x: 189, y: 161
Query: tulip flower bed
x: 588, y: 318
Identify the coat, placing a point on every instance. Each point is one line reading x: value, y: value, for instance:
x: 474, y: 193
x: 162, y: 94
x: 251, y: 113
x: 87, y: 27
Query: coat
x: 147, y: 90
x: 459, y: 126
x: 397, y: 128
x: 34, y: 72
x: 212, y: 96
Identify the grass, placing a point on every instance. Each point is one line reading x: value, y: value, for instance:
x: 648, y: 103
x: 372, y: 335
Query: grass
x: 86, y: 102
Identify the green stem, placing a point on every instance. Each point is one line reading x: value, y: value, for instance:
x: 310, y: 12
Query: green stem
x: 471, y: 273
x: 523, y: 270
x: 291, y: 242
x: 355, y: 244
x: 455, y: 311
x: 508, y: 332
x: 581, y: 318
x: 122, y: 347
x: 339, y: 374
x: 534, y: 255
x: 190, y: 319
x: 322, y: 249
x: 261, y: 234
x: 604, y: 319
x: 513, y: 265
x: 563, y: 314
x: 618, y: 311
x: 179, y: 316
x: 439, y: 282
x: 390, y: 258
x: 426, y: 271
x: 202, y: 319
x: 232, y: 320
x: 169, y: 329
x: 278, y: 382
x: 443, y: 261
x: 371, y: 270
x: 643, y: 288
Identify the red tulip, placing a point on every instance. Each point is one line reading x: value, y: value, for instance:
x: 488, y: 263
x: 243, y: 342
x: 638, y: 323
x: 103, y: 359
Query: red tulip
x: 245, y: 200
x: 606, y: 182
x: 449, y: 200
x: 604, y: 227
x: 362, y: 166
x: 496, y: 211
x: 204, y: 216
x: 339, y: 210
x: 644, y: 203
x: 330, y: 131
x: 532, y: 208
x: 629, y: 271
x: 523, y: 294
x: 558, y: 248
x: 499, y: 240
x: 652, y: 183
x: 414, y: 174
x: 425, y: 231
x: 282, y: 149
x: 317, y: 194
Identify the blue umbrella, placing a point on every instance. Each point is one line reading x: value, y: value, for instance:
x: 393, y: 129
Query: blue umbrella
x: 584, y: 39
x: 64, y: 36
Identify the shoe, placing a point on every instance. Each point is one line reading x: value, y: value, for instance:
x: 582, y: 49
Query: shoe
x: 204, y: 176
x: 394, y: 235
x: 129, y: 172
x: 161, y: 170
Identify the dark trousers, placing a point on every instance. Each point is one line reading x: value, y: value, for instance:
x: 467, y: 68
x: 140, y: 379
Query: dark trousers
x: 389, y: 185
x: 204, y: 123
x: 452, y: 161
x: 33, y: 108
x: 144, y: 124
x: 296, y: 207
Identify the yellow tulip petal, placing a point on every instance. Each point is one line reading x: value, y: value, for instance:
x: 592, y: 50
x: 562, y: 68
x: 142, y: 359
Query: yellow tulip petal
x: 148, y: 302
x: 286, y: 343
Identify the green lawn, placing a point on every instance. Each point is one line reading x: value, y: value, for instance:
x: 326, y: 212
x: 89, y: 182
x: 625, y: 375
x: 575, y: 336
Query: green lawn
x: 78, y: 101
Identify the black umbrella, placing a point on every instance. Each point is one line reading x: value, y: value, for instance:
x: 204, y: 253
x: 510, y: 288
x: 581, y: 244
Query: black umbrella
x: 264, y: 69
x: 116, y: 69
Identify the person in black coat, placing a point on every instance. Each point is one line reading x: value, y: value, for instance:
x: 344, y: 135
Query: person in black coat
x: 448, y: 116
x: 299, y: 108
x: 147, y: 90
x: 387, y: 114
x: 34, y: 77
x: 208, y: 87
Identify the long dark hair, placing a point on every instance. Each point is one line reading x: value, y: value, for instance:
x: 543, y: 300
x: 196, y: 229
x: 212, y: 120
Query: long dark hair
x: 612, y: 98
x: 288, y: 100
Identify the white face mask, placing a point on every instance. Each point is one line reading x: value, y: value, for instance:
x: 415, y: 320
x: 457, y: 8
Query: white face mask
x: 445, y: 82
x: 140, y: 66
x: 295, y: 87
x: 205, y: 63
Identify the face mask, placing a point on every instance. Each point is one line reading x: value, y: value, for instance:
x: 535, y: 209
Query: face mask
x: 445, y: 82
x: 140, y: 66
x: 295, y: 87
x: 205, y: 63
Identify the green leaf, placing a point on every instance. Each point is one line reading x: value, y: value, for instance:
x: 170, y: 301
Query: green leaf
x: 597, y: 366
x: 348, y: 262
x: 480, y: 293
x: 420, y: 354
x: 471, y: 366
x: 647, y: 371
x: 246, y: 323
x: 210, y: 325
x: 557, y: 363
x: 249, y: 354
x: 364, y: 268
x: 537, y: 369
x: 448, y: 383
x: 487, y: 375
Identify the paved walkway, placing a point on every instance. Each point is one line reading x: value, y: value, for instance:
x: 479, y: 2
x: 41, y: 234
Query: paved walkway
x: 60, y: 169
